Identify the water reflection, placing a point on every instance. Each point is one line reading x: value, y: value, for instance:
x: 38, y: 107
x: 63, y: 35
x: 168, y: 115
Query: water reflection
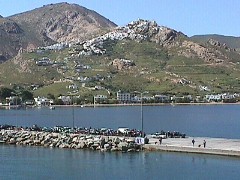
x: 38, y: 162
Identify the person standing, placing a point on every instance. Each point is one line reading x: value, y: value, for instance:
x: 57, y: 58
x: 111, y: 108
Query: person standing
x: 193, y: 141
x: 204, y: 143
x: 160, y: 140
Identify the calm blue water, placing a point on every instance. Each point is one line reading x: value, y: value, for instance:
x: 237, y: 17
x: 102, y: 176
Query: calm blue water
x: 194, y: 120
x: 19, y: 162
x: 46, y: 163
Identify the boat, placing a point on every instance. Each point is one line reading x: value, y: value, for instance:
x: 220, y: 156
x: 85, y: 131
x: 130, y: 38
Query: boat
x: 52, y: 107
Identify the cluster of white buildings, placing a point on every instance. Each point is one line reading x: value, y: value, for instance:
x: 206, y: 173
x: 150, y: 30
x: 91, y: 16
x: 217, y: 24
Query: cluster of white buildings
x: 220, y: 97
x: 123, y: 97
x: 45, y: 61
x: 136, y: 30
x: 42, y: 101
x: 57, y: 46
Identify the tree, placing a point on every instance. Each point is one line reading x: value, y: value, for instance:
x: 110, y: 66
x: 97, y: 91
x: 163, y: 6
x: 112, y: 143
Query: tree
x: 5, y: 92
x: 50, y: 96
x: 26, y: 95
x: 59, y: 102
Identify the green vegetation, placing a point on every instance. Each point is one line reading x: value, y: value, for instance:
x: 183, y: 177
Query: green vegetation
x: 55, y: 89
x: 157, y: 70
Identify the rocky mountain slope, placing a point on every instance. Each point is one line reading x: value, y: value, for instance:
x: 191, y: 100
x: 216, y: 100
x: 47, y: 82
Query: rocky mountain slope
x: 173, y: 41
x: 10, y: 38
x: 102, y: 57
x: 49, y: 24
x: 139, y: 56
x: 230, y: 41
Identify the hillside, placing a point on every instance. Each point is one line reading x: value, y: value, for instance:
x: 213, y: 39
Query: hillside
x: 231, y: 41
x: 47, y: 25
x: 63, y: 22
x: 137, y: 57
x: 10, y: 38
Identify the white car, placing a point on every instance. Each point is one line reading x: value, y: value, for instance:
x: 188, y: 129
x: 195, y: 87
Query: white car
x: 123, y: 130
x: 158, y: 135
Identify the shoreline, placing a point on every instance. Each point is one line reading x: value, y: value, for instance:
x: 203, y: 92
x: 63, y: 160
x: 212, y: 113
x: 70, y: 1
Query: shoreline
x: 145, y: 104
x: 122, y: 105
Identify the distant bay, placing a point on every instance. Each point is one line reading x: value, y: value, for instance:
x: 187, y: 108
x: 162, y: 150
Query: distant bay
x: 194, y: 120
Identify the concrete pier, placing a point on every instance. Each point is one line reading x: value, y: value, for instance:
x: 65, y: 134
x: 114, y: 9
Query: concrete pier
x: 216, y: 146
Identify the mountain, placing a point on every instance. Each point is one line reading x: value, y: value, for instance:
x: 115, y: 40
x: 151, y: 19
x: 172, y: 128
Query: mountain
x: 231, y: 41
x: 63, y: 22
x: 10, y: 38
x: 49, y: 24
x: 141, y: 56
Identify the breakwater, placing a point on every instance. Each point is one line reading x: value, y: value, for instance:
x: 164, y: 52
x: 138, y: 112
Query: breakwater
x: 69, y: 140
x: 108, y: 143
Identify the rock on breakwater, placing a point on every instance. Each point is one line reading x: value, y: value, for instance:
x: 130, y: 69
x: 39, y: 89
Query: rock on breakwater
x: 69, y: 140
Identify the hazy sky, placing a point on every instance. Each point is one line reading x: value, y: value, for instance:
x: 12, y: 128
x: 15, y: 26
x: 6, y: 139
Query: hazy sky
x: 189, y: 16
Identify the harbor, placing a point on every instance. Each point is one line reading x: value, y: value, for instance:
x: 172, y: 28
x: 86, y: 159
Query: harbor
x: 174, y: 154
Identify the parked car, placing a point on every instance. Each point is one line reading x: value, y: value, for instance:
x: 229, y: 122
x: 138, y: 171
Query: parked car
x: 176, y: 134
x: 158, y: 135
x: 123, y: 130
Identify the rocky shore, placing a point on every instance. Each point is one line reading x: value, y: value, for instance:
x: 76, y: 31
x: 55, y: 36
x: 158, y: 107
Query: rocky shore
x: 69, y: 140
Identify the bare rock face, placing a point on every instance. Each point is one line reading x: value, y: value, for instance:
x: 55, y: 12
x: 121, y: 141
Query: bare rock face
x: 216, y: 43
x: 2, y: 58
x: 63, y: 22
x: 23, y: 65
x: 191, y: 49
x: 151, y: 31
x: 10, y: 27
x: 10, y: 37
x: 121, y: 64
x: 47, y: 25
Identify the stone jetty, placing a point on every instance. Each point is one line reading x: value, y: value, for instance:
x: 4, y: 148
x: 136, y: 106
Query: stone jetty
x: 69, y: 140
x: 108, y: 143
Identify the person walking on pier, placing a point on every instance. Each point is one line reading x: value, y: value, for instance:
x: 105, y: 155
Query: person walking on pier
x: 204, y: 143
x: 193, y: 141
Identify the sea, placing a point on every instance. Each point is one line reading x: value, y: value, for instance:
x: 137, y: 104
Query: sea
x: 220, y: 120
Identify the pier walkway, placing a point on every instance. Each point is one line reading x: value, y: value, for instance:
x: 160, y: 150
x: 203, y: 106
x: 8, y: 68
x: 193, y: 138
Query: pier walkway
x: 217, y: 146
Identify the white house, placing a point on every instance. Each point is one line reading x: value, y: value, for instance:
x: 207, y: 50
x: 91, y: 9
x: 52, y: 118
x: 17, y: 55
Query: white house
x: 124, y: 97
x: 65, y: 99
x: 42, y: 101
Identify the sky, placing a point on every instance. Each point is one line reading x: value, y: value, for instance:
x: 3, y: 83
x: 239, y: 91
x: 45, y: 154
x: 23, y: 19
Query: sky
x: 192, y: 17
